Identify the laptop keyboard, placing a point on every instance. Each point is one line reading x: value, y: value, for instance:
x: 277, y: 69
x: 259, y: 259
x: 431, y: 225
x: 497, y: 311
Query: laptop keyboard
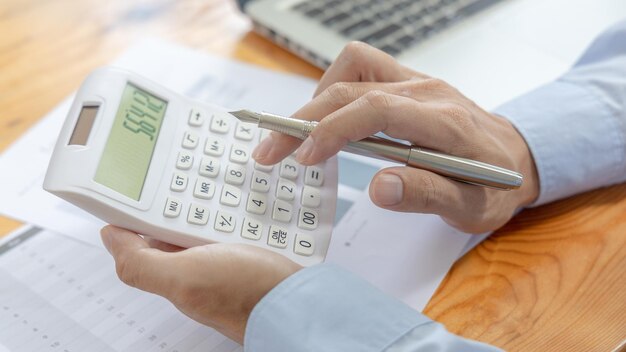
x: 390, y: 25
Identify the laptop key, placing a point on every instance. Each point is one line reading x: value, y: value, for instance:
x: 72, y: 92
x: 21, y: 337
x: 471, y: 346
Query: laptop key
x: 390, y: 49
x: 341, y: 16
x: 314, y: 12
x: 355, y: 27
x: 476, y: 6
x: 381, y: 33
x: 301, y: 6
x: 407, y: 40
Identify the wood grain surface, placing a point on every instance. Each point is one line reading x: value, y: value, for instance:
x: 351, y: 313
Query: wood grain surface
x: 553, y: 279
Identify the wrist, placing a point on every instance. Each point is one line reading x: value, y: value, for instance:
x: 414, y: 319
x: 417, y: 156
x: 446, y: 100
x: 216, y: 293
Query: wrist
x: 525, y: 164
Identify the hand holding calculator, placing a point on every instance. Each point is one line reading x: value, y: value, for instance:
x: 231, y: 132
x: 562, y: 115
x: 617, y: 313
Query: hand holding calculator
x: 142, y: 157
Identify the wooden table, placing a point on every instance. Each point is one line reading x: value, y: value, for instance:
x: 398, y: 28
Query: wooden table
x: 553, y: 279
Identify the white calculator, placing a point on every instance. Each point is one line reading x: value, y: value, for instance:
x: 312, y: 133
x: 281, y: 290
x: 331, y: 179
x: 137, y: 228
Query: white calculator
x: 142, y: 157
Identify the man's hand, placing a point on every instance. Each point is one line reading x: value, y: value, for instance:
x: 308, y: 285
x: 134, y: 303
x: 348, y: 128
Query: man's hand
x: 366, y: 91
x: 217, y: 285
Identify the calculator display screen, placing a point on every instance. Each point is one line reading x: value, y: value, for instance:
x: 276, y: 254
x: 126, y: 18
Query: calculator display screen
x: 128, y: 151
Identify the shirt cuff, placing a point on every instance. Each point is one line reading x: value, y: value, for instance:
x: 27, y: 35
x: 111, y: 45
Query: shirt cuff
x: 572, y: 154
x: 325, y: 308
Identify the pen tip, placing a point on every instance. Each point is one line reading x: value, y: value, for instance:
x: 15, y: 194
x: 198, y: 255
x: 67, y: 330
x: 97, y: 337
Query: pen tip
x: 246, y: 116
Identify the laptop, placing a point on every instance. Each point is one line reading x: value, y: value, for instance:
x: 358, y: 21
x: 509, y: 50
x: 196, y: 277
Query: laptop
x: 492, y: 50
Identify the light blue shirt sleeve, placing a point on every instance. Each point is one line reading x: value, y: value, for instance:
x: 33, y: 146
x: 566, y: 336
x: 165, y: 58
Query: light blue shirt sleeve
x: 325, y: 308
x: 575, y: 126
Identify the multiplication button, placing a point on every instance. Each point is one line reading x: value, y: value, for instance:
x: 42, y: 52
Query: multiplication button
x: 244, y: 132
x: 198, y: 215
x: 172, y: 207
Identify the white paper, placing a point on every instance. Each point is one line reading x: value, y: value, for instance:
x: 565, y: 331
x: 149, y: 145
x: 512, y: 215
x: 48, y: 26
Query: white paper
x: 406, y: 255
x: 59, y: 294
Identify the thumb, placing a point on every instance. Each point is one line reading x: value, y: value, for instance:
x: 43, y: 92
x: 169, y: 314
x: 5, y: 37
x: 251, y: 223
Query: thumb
x: 137, y: 264
x: 413, y: 190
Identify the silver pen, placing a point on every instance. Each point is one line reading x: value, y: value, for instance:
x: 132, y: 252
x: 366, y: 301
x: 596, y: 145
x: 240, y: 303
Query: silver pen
x: 460, y: 169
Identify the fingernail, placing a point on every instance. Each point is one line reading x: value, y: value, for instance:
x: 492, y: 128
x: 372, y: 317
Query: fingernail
x: 261, y: 150
x: 388, y: 189
x: 305, y: 150
x: 105, y: 234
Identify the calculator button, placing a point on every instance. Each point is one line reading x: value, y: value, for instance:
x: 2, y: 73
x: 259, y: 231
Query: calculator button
x: 172, y: 207
x: 219, y: 124
x: 239, y: 154
x: 285, y: 189
x: 204, y: 189
x: 244, y: 132
x: 231, y: 196
x: 260, y: 182
x: 209, y: 167
x: 214, y: 146
x: 196, y: 117
x: 184, y: 161
x: 304, y: 244
x: 198, y: 215
x: 308, y: 219
x: 282, y: 211
x: 289, y: 168
x: 179, y: 182
x: 190, y: 140
x: 224, y: 222
x: 257, y: 203
x: 235, y: 174
x: 311, y: 197
x: 251, y: 229
x: 314, y: 176
x: 277, y: 237
x: 264, y: 168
